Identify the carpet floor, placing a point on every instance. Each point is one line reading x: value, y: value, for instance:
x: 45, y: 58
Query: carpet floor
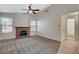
x: 29, y: 45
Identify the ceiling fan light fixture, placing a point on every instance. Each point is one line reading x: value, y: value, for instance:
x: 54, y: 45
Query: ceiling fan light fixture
x: 30, y: 11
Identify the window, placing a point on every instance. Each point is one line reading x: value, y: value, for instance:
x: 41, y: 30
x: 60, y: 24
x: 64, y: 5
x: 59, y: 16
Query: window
x: 6, y: 25
x: 33, y: 25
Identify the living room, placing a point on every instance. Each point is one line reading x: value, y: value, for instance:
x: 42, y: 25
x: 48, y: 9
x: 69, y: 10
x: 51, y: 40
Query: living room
x: 17, y: 24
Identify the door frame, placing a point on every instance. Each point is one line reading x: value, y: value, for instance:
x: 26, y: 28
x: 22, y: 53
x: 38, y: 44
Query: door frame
x: 64, y: 26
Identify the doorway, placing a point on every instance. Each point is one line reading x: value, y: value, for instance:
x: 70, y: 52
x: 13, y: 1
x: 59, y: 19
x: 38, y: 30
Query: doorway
x: 71, y: 29
x: 69, y: 26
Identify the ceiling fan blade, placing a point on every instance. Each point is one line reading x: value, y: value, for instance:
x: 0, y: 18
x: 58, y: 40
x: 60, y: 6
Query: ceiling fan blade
x: 36, y: 10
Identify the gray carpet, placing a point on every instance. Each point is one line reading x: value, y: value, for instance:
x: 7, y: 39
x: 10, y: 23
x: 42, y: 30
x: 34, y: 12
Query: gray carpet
x: 29, y: 45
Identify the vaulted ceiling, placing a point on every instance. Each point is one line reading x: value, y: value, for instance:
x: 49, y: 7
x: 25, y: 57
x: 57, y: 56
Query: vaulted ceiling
x: 16, y: 8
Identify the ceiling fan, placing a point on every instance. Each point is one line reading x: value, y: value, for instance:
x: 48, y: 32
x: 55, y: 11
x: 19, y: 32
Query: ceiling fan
x: 30, y: 10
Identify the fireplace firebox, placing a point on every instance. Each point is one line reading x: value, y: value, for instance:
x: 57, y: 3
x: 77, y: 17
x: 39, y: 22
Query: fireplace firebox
x: 22, y: 32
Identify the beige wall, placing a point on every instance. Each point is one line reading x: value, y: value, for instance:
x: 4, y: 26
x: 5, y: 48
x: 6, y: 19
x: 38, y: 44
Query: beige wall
x: 49, y: 22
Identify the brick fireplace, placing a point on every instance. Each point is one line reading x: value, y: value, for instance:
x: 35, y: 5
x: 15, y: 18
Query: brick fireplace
x: 22, y: 32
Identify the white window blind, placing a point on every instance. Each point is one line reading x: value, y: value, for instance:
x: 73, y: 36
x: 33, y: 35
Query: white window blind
x: 33, y: 25
x: 7, y: 25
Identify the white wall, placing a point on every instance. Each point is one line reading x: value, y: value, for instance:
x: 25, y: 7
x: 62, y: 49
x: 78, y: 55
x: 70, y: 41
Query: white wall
x: 22, y: 20
x: 18, y: 20
x: 49, y: 22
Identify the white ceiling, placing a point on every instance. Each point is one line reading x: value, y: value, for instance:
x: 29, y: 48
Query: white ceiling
x: 16, y: 8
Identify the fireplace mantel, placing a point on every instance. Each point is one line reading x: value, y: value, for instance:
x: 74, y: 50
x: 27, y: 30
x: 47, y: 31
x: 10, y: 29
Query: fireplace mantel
x: 19, y: 29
